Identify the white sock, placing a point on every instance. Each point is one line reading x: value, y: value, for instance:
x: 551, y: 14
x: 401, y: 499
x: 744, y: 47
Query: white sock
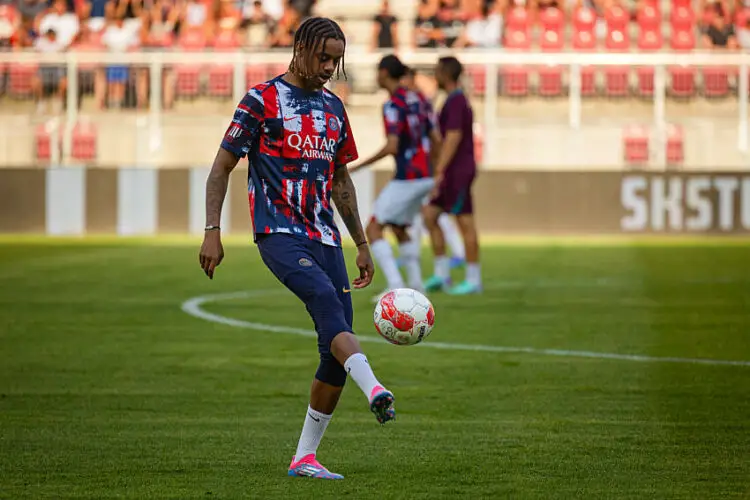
x: 409, y: 253
x: 442, y: 267
x: 452, y: 236
x: 417, y: 229
x: 312, y: 432
x: 383, y: 254
x: 473, y: 275
x: 359, y: 368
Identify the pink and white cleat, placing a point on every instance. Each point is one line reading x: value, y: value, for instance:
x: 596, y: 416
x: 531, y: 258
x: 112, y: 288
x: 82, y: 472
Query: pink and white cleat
x: 381, y: 404
x: 309, y: 467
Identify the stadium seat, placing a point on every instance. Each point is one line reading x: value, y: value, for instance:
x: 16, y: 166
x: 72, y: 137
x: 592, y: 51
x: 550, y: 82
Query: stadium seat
x: 550, y: 76
x: 20, y: 79
x: 477, y: 79
x: 616, y: 77
x: 635, y: 144
x: 517, y: 19
x: 648, y: 41
x: 552, y: 19
x: 617, y: 18
x: 675, y: 144
x: 255, y: 74
x: 682, y: 17
x: 478, y: 142
x: 715, y: 81
x: 516, y: 78
x: 221, y: 76
x: 585, y: 41
x: 649, y: 17
x: 84, y: 141
x: 584, y: 19
x: 42, y: 138
x: 682, y: 77
x: 188, y: 75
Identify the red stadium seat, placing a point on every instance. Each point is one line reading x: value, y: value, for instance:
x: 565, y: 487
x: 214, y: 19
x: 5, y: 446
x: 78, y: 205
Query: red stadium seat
x: 682, y: 77
x: 552, y: 19
x: 478, y: 142
x: 675, y: 144
x: 188, y: 75
x: 648, y: 41
x: 220, y: 76
x: 585, y: 41
x: 255, y: 74
x: 584, y: 19
x: 617, y: 18
x: 517, y: 19
x: 550, y: 76
x: 84, y: 141
x: 477, y: 77
x: 682, y: 17
x: 616, y: 77
x: 649, y: 17
x: 20, y: 79
x: 715, y: 81
x: 741, y: 17
x: 635, y: 145
x: 42, y: 138
x: 516, y: 78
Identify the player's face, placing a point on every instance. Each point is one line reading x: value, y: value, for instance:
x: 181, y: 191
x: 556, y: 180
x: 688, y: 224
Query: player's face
x: 323, y: 63
x: 440, y: 76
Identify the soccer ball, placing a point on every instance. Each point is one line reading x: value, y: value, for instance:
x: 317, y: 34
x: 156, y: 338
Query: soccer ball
x: 404, y: 316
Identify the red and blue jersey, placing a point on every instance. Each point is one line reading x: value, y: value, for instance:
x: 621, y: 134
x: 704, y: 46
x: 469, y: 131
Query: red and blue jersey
x: 294, y: 140
x: 409, y: 116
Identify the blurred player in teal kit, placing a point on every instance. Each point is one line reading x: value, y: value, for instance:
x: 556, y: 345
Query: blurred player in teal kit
x: 455, y: 171
x: 298, y: 141
x: 450, y: 231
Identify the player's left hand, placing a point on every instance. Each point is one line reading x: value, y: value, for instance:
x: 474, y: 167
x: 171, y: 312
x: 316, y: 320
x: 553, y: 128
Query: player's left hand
x: 366, y: 267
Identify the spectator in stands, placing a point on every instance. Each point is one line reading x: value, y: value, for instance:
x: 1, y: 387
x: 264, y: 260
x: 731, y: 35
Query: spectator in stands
x: 719, y: 34
x: 51, y: 79
x: 228, y: 18
x: 384, y: 29
x: 258, y: 24
x: 25, y: 35
x: 451, y: 23
x: 195, y: 15
x: 743, y: 35
x: 60, y: 20
x: 274, y: 8
x: 31, y: 9
x: 161, y: 21
x: 426, y: 25
x: 94, y: 13
x: 283, y: 35
x: 303, y: 7
x: 484, y: 28
x: 118, y: 37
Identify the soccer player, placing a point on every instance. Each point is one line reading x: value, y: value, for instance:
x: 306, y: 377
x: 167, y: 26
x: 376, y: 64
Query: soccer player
x: 450, y: 231
x: 409, y: 131
x: 454, y: 175
x: 298, y: 141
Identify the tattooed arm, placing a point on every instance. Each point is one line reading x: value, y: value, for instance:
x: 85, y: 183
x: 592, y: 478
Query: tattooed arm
x: 212, y: 251
x: 345, y: 197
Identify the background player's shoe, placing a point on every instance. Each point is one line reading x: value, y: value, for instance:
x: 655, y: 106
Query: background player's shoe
x: 381, y: 404
x: 309, y: 467
x: 436, y: 283
x: 457, y: 262
x: 465, y: 288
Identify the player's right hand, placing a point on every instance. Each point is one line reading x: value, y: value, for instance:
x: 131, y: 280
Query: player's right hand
x: 366, y: 267
x: 212, y: 253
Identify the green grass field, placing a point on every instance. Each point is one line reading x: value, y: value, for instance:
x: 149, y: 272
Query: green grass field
x: 109, y: 389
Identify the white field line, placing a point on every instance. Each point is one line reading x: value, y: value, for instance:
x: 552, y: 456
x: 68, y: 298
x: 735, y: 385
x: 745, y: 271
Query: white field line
x: 194, y: 308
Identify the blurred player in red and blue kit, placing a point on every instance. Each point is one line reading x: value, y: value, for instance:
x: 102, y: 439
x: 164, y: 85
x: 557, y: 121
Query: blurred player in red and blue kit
x: 298, y: 141
x: 410, y: 136
x: 450, y: 231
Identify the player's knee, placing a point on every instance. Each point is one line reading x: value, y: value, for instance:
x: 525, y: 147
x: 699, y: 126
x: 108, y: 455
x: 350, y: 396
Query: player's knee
x: 374, y: 230
x: 330, y: 371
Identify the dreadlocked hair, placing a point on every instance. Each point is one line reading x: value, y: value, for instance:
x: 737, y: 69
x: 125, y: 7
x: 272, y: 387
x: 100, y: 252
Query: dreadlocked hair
x: 314, y: 33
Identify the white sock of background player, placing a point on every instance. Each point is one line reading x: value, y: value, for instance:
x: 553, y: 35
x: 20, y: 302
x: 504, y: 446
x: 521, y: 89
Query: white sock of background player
x: 409, y: 253
x: 452, y: 236
x: 383, y: 254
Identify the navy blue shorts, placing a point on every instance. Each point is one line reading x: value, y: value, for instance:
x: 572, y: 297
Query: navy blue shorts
x: 316, y: 274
